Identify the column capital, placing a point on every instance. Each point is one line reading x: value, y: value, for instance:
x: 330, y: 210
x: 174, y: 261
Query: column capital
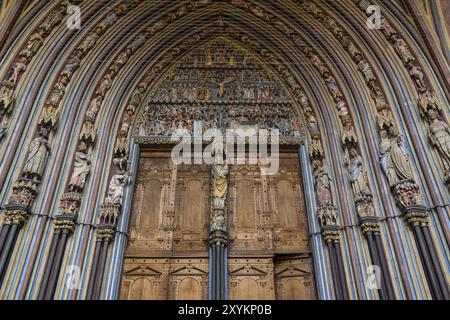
x: 105, y: 232
x: 16, y: 214
x: 370, y: 225
x: 416, y: 216
x: 331, y: 234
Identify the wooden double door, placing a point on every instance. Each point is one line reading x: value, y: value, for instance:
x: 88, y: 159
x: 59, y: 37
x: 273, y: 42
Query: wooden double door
x: 167, y: 254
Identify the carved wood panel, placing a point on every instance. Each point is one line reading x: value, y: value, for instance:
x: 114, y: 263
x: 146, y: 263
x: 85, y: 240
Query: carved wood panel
x: 167, y: 256
x: 192, y: 207
x: 165, y: 278
x: 251, y: 279
x: 294, y: 278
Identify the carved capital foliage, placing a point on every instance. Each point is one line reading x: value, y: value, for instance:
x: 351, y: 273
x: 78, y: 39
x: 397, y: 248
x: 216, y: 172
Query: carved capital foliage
x: 370, y: 225
x: 331, y: 234
x: 65, y: 223
x: 218, y: 237
x: 416, y: 216
x: 17, y: 215
x: 105, y: 232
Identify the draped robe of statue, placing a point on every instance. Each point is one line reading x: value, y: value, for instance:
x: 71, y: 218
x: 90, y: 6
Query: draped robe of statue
x: 440, y: 137
x: 394, y: 160
x: 322, y: 183
x: 80, y: 171
x: 220, y: 184
x: 358, y: 175
x: 115, y: 191
x: 37, y: 158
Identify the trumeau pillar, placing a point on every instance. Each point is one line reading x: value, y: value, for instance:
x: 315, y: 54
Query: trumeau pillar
x: 218, y: 229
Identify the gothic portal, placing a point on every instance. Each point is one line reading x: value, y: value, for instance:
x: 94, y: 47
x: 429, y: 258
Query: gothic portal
x: 242, y: 150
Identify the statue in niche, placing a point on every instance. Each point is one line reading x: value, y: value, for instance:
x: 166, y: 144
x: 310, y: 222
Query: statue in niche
x: 33, y: 45
x: 49, y: 116
x: 88, y: 131
x: 53, y: 18
x: 312, y: 125
x: 17, y: 68
x: 137, y: 42
x: 394, y: 159
x: 416, y: 73
x: 220, y: 173
x: 117, y: 184
x: 439, y: 133
x: 365, y: 68
x: 332, y: 86
x: 58, y: 91
x: 94, y: 107
x: 37, y: 156
x: 358, y: 176
x: 322, y: 182
x: 105, y: 84
x: 88, y: 42
x: 81, y: 168
x: 402, y: 48
x: 71, y: 66
x: 6, y: 98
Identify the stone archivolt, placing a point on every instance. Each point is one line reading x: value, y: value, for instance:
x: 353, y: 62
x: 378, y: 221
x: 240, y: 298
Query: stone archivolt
x: 387, y: 125
x: 172, y: 98
x: 21, y: 62
x: 41, y: 144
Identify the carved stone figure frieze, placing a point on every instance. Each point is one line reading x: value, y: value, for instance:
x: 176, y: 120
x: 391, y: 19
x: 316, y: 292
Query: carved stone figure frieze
x: 49, y: 116
x: 52, y: 20
x: 33, y: 45
x: 417, y: 74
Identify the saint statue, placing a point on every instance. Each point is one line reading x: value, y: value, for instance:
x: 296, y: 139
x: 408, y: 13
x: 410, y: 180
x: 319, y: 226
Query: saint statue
x: 37, y: 156
x: 116, y: 188
x: 322, y: 182
x: 220, y: 173
x: 358, y: 176
x: 394, y: 159
x: 439, y: 134
x: 6, y: 98
x: 81, y: 168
